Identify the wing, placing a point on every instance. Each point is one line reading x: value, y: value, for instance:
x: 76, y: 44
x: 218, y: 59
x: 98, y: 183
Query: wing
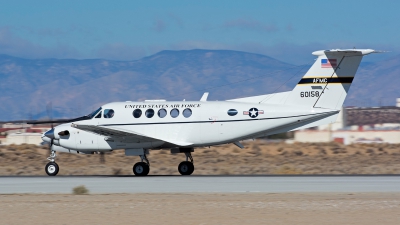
x: 117, y: 133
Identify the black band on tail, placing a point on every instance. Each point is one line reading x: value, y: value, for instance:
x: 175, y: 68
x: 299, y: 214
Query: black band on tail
x: 324, y: 80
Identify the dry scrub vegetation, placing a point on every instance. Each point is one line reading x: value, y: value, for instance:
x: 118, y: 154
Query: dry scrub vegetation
x: 258, y: 157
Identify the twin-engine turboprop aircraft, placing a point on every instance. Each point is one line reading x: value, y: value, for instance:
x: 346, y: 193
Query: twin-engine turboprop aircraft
x: 182, y: 126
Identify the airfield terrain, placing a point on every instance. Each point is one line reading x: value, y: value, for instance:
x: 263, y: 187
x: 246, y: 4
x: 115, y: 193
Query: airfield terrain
x: 276, y: 199
x: 258, y: 157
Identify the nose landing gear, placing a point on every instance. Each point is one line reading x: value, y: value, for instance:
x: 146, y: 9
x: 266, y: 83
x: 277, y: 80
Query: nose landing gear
x: 52, y: 168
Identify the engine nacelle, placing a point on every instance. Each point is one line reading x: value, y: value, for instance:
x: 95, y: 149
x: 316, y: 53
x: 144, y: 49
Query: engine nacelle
x: 62, y: 149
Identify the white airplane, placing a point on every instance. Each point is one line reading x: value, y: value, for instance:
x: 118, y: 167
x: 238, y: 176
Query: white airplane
x: 181, y: 126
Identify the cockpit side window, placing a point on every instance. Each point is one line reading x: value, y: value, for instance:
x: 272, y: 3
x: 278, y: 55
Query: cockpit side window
x: 91, y: 115
x: 98, y: 115
x: 108, y: 113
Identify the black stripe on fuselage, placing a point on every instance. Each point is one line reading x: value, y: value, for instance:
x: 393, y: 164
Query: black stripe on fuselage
x: 210, y: 121
x: 324, y: 80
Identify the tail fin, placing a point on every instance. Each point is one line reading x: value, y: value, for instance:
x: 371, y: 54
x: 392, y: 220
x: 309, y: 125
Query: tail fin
x: 327, y: 82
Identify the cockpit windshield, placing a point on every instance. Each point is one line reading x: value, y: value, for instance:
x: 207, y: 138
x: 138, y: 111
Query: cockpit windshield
x: 91, y: 115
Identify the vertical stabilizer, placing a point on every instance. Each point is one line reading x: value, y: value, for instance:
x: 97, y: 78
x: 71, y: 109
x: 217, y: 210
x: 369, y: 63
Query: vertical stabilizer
x: 326, y: 83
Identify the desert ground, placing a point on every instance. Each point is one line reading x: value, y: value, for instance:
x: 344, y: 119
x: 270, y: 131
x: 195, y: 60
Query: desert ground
x: 258, y: 157
x: 245, y: 208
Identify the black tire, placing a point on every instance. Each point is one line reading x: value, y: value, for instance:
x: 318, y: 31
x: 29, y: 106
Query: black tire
x: 51, y: 168
x: 186, y: 168
x: 141, y: 169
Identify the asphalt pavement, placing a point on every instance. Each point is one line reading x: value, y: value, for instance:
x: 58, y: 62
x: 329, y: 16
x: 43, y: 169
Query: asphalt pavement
x: 198, y: 184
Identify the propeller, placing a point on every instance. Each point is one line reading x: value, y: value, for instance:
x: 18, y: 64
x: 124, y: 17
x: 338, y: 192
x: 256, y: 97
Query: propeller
x: 49, y: 110
x: 50, y: 145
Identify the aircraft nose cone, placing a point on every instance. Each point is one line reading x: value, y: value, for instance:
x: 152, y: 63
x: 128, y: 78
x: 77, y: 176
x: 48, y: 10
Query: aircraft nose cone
x: 49, y: 134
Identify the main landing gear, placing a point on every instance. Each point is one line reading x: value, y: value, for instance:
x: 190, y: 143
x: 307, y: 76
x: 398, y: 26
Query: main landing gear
x: 142, y: 168
x: 186, y: 167
x: 52, y: 168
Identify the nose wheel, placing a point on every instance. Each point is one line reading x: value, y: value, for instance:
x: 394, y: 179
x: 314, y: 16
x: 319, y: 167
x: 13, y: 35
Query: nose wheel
x: 51, y: 168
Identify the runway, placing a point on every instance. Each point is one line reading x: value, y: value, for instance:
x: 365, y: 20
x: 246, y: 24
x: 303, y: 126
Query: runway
x: 201, y: 184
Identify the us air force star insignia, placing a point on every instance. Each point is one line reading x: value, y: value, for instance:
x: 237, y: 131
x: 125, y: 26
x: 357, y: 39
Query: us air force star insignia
x: 253, y: 112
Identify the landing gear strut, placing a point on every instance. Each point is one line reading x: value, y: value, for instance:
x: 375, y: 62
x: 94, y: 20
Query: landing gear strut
x: 142, y: 168
x: 186, y: 167
x: 52, y: 168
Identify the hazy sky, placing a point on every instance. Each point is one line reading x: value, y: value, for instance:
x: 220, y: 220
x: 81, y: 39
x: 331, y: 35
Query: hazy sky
x: 128, y: 30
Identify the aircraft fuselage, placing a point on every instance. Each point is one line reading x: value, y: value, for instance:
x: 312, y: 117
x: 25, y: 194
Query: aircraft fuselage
x: 193, y: 123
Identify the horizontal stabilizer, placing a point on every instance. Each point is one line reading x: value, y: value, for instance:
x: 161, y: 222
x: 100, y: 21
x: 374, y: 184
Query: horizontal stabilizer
x: 346, y: 51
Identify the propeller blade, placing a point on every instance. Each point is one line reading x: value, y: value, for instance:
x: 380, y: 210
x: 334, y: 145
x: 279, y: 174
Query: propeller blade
x: 59, y: 120
x: 50, y: 145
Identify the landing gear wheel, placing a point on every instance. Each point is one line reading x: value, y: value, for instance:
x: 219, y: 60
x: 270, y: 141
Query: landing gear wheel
x: 51, y: 168
x: 186, y: 168
x: 141, y: 169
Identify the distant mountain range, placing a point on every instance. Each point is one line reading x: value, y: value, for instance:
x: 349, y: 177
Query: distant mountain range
x: 76, y: 87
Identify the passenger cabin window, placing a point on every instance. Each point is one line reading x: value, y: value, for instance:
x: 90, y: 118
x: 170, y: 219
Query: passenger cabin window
x: 187, y: 113
x: 137, y: 113
x: 162, y: 113
x: 174, y: 113
x: 108, y: 113
x: 149, y: 113
x: 232, y: 112
x: 98, y: 115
